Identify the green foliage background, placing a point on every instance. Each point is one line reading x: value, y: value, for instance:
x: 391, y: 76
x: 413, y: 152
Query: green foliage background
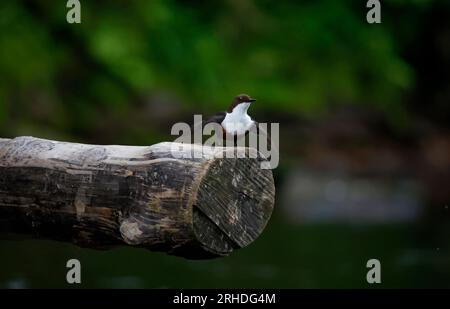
x: 302, y: 57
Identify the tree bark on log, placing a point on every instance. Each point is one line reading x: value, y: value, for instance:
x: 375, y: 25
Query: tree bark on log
x: 102, y: 196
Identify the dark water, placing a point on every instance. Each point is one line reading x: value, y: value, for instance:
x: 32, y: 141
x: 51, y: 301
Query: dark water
x: 285, y: 256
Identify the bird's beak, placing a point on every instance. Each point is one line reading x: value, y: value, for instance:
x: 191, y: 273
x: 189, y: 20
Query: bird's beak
x: 252, y: 100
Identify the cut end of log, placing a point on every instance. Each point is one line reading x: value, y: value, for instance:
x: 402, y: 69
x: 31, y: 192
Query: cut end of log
x: 234, y: 202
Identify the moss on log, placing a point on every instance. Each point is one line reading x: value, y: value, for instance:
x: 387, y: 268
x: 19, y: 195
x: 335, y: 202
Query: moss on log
x: 102, y: 196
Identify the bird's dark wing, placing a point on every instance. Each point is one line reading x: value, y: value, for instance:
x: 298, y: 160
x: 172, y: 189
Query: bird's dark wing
x: 217, y: 118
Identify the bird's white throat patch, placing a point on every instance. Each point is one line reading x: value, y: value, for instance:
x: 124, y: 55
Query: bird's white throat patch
x: 238, y: 121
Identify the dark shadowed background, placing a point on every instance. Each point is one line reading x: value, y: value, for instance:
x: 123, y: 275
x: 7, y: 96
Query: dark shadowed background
x: 363, y: 109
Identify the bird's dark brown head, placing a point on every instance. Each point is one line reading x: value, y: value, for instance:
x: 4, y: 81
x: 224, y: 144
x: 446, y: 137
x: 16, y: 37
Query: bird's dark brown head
x: 242, y: 98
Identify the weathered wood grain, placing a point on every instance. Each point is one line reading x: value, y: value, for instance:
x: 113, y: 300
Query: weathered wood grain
x: 101, y: 196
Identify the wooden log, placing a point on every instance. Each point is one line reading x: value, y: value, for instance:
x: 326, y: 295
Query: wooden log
x: 102, y: 196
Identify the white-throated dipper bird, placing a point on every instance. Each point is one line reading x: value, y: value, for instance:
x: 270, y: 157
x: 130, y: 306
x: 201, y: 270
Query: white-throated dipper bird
x: 235, y: 122
x: 235, y: 126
